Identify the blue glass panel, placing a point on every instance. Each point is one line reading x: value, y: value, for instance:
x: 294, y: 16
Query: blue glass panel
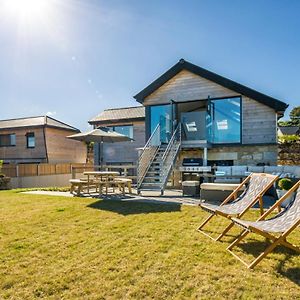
x: 161, y: 114
x: 224, y: 122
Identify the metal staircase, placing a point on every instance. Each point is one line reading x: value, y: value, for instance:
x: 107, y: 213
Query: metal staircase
x: 157, y: 161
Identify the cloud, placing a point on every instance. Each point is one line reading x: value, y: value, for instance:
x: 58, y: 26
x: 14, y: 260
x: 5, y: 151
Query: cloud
x: 51, y: 113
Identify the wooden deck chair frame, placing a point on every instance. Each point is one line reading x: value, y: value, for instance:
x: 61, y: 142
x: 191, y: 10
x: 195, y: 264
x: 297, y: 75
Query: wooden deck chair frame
x: 275, y: 241
x: 234, y: 196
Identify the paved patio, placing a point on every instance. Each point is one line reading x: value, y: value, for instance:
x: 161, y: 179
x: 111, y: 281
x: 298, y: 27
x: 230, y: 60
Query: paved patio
x: 170, y: 196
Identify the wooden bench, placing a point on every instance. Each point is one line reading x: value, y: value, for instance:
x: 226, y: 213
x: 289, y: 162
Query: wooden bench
x: 77, y: 185
x: 126, y: 181
x: 120, y: 184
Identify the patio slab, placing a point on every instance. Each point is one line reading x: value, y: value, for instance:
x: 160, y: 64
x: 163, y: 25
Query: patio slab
x: 170, y: 197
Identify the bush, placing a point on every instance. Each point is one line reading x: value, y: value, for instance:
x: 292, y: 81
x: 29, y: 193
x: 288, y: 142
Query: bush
x: 288, y: 139
x: 285, y: 184
x: 47, y: 189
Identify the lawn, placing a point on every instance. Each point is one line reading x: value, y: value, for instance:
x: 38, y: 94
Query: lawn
x: 80, y: 248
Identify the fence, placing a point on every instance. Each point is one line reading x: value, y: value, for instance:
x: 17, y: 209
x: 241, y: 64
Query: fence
x: 26, y: 170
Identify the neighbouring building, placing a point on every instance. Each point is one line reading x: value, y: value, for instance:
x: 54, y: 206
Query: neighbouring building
x: 39, y: 140
x: 129, y: 121
x: 288, y: 130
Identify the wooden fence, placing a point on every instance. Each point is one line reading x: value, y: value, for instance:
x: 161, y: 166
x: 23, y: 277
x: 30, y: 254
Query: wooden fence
x: 21, y: 170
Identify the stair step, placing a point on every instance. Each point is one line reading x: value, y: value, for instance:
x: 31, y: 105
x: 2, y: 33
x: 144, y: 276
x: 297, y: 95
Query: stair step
x: 157, y: 178
x: 150, y: 189
x: 151, y: 184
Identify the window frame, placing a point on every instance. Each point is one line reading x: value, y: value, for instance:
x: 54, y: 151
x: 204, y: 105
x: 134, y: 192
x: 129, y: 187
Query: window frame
x: 127, y: 125
x: 30, y: 135
x: 241, y: 121
x: 9, y: 145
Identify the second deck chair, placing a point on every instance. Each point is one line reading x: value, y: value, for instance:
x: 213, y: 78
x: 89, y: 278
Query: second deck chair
x: 276, y: 229
x: 257, y: 185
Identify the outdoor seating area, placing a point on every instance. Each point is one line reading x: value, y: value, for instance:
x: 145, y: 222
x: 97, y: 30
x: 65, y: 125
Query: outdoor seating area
x: 98, y: 181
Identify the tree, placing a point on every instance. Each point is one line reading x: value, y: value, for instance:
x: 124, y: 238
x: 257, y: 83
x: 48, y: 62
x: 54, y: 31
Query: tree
x: 295, y: 115
x: 294, y: 118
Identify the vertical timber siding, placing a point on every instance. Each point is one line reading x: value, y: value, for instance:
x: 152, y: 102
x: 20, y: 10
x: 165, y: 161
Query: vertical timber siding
x: 61, y: 149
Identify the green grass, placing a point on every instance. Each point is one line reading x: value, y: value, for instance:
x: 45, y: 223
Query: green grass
x: 80, y: 248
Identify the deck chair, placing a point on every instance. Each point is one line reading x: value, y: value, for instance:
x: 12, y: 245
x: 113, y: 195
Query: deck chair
x: 275, y: 229
x: 257, y: 185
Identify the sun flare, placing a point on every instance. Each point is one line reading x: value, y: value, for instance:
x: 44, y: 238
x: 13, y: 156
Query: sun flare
x: 28, y: 10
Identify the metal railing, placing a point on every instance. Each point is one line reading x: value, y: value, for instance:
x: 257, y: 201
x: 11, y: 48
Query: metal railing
x: 147, y: 156
x: 169, y: 156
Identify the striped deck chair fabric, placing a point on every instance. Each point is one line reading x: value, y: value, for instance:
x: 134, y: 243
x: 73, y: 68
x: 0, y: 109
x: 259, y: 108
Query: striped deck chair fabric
x: 258, y: 184
x: 275, y: 229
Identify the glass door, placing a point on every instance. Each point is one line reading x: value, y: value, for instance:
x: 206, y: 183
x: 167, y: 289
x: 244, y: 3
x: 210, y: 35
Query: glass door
x: 193, y: 124
x: 162, y: 115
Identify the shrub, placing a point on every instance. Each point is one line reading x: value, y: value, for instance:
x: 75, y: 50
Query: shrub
x: 288, y: 139
x: 285, y: 184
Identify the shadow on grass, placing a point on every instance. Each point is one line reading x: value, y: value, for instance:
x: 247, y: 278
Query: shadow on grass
x: 255, y: 248
x: 134, y: 207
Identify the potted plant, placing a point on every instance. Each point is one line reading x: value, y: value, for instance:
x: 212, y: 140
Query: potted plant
x: 284, y: 185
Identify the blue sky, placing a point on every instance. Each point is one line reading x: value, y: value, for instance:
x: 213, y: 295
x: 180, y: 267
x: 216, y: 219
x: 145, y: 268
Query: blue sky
x: 83, y: 56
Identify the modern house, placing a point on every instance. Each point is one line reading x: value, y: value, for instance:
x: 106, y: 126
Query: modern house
x: 39, y: 140
x: 129, y: 121
x: 192, y: 112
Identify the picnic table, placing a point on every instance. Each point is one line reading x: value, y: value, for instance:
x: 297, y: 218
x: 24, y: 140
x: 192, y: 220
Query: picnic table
x: 106, y: 175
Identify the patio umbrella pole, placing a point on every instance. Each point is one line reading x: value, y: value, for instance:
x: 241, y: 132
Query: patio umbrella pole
x: 101, y: 154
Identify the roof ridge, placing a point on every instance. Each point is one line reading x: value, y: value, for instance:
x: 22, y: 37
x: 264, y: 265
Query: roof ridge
x: 60, y: 122
x: 128, y: 107
x: 23, y: 118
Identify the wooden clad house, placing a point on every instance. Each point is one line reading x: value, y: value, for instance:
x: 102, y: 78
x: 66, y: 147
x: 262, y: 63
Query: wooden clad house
x: 222, y: 121
x: 129, y: 121
x: 39, y: 140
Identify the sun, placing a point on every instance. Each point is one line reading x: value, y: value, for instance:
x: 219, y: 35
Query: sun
x: 28, y: 10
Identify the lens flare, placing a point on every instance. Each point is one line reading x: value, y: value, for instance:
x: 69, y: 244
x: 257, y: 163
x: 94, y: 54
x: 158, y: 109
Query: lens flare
x: 27, y: 10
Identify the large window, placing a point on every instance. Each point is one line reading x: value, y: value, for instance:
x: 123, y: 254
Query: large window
x: 7, y: 140
x: 125, y: 130
x: 30, y: 138
x: 225, y: 121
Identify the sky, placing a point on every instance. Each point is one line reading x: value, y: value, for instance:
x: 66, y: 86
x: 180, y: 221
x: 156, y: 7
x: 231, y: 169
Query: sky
x: 71, y: 59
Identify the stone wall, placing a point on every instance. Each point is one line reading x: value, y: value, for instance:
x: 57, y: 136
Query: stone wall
x: 289, y: 154
x: 241, y: 155
x: 246, y: 155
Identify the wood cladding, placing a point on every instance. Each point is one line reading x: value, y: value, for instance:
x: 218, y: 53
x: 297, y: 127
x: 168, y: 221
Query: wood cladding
x: 259, y: 122
x: 20, y: 152
x: 61, y: 149
x: 187, y: 86
x: 51, y: 146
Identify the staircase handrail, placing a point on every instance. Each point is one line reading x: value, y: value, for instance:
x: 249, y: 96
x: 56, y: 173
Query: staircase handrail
x: 171, y: 144
x: 141, y: 173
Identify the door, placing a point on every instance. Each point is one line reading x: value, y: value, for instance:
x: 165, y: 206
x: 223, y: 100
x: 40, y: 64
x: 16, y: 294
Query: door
x: 194, y: 125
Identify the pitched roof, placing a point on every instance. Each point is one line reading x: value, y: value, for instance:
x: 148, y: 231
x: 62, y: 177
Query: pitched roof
x: 119, y: 114
x: 232, y: 85
x: 35, y: 122
x: 288, y: 130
